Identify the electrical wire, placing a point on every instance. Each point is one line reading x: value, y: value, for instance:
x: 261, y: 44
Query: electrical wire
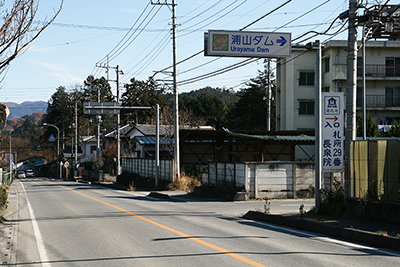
x: 152, y: 50
x: 206, y: 76
x: 308, y: 12
x: 126, y: 35
x: 201, y: 13
x: 220, y: 71
x: 153, y: 57
x: 120, y: 50
x: 200, y: 52
x: 243, y: 63
x: 220, y: 17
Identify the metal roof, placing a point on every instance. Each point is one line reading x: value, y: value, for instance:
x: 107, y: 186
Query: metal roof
x: 286, y: 138
x: 146, y: 140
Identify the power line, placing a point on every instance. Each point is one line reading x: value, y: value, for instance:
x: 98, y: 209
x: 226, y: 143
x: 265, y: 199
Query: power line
x: 220, y: 17
x: 126, y: 35
x: 200, y: 52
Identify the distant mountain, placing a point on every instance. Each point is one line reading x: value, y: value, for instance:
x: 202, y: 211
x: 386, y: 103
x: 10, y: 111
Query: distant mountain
x: 26, y: 108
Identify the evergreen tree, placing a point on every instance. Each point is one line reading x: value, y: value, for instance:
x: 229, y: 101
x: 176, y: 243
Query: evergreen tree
x: 210, y: 108
x: 372, y: 128
x: 250, y: 111
x: 142, y: 94
x: 60, y: 112
x: 92, y: 86
x: 395, y: 130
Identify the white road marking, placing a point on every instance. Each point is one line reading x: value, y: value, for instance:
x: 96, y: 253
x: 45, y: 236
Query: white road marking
x: 328, y: 239
x: 38, y: 236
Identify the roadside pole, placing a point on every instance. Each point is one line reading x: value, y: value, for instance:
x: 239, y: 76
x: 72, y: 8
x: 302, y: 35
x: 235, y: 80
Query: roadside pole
x: 318, y: 123
x: 351, y: 90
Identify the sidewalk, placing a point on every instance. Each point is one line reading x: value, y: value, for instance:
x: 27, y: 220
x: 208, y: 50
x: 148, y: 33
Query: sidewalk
x: 366, y: 232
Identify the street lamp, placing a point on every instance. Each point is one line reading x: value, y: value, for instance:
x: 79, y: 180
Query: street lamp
x: 58, y: 147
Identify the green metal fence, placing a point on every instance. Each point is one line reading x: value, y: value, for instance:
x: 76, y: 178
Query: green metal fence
x: 374, y: 169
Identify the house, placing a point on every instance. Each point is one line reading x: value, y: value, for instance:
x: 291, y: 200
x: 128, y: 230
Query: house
x: 143, y: 140
x: 111, y: 138
x: 295, y: 76
x: 89, y: 147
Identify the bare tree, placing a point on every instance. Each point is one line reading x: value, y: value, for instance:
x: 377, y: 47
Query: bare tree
x: 186, y: 120
x: 19, y: 28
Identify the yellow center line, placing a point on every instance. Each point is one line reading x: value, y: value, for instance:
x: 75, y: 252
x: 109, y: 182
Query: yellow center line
x: 202, y: 242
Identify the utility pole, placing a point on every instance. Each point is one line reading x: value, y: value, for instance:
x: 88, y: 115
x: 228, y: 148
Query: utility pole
x: 175, y: 88
x: 98, y: 117
x: 118, y: 135
x: 118, y: 124
x: 76, y: 138
x: 351, y: 90
x: 269, y: 97
x: 10, y: 159
x: 318, y: 126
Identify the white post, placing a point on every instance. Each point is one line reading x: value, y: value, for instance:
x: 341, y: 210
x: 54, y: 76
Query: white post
x: 364, y: 118
x: 318, y: 123
x: 157, y: 144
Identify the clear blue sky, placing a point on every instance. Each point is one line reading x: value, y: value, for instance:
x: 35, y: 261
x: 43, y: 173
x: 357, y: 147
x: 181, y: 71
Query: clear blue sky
x: 86, y: 31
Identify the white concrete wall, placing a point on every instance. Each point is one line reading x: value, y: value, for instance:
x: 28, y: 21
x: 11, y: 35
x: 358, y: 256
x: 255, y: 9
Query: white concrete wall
x: 264, y: 179
x: 147, y: 168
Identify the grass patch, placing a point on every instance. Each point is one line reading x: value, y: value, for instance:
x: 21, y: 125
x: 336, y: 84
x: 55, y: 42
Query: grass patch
x: 185, y: 183
x: 134, y: 181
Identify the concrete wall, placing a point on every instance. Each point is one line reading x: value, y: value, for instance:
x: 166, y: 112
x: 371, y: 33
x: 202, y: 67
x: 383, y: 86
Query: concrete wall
x: 147, y: 168
x: 264, y: 179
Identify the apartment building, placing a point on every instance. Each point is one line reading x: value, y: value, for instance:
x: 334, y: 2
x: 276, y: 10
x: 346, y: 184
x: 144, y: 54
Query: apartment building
x: 295, y: 75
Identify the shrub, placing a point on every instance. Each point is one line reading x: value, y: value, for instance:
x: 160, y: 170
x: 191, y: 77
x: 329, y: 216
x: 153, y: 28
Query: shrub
x: 333, y: 200
x: 3, y: 196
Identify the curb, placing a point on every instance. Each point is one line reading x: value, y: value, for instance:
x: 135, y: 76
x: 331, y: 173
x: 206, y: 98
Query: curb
x: 318, y: 227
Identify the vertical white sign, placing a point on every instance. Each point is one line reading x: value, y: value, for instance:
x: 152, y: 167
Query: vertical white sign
x: 332, y: 132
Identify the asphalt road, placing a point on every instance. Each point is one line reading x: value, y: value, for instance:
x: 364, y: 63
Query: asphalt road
x: 70, y: 224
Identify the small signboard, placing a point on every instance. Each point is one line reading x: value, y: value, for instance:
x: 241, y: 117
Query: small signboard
x: 332, y: 132
x: 247, y: 44
x: 52, y: 138
x: 101, y: 108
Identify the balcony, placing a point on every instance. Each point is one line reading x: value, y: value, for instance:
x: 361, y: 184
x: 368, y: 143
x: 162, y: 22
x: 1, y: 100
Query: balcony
x: 379, y: 70
x: 380, y: 101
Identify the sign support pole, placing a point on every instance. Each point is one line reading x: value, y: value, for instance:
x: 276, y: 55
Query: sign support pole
x: 318, y: 123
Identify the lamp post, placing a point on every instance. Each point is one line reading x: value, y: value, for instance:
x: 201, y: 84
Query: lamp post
x: 58, y: 147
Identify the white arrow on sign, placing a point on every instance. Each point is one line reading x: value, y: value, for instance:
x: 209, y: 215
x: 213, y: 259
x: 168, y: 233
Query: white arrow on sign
x: 248, y: 44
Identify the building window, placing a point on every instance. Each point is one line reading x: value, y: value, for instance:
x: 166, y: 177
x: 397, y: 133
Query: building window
x: 392, y: 66
x: 306, y: 108
x: 392, y: 96
x: 93, y: 149
x: 326, y: 64
x: 306, y: 79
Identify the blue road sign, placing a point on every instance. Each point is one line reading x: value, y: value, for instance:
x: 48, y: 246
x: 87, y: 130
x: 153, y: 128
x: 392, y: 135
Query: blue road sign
x: 52, y: 138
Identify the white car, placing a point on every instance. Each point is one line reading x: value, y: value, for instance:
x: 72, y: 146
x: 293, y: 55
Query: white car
x: 21, y: 174
x: 29, y: 173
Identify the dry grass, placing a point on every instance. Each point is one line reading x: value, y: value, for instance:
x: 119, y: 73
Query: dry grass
x: 132, y: 186
x: 185, y: 183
